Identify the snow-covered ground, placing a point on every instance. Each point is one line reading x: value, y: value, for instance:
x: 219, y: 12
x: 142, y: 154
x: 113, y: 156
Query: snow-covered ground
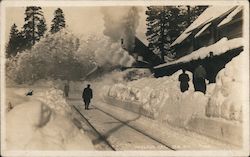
x: 48, y: 124
x: 162, y: 100
x: 227, y: 98
x: 41, y: 122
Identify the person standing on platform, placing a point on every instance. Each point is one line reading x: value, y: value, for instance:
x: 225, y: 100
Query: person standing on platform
x: 199, y: 79
x: 184, y: 79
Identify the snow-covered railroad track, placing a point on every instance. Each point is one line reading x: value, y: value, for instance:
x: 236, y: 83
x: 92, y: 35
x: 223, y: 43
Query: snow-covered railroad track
x: 94, y: 129
x: 144, y: 133
x: 118, y: 134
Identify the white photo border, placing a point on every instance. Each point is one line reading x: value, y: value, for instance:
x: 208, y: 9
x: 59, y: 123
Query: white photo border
x: 243, y: 152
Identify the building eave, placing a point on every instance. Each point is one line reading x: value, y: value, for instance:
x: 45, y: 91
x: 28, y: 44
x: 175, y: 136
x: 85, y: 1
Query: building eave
x: 218, y: 48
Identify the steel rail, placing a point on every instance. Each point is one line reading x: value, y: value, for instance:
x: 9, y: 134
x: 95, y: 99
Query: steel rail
x: 97, y: 132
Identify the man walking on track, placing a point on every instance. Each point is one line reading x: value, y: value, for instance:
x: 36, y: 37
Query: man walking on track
x: 87, y: 96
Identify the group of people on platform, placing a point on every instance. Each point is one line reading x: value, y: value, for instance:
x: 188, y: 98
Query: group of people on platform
x: 199, y: 82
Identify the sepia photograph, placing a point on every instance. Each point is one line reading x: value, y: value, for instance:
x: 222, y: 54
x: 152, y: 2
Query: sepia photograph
x: 124, y: 78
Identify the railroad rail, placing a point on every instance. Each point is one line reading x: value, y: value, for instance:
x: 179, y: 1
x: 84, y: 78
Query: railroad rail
x: 105, y: 140
x: 94, y: 129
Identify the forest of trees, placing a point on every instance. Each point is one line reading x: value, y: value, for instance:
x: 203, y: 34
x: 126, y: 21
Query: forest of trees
x: 59, y: 54
x: 33, y: 30
x: 165, y: 24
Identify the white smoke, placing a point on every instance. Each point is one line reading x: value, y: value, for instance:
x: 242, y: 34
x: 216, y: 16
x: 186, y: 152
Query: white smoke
x: 121, y: 23
x: 104, y: 52
x: 112, y: 53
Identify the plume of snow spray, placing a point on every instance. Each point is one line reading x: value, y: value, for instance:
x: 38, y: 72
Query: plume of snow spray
x: 113, y: 54
x: 121, y: 23
x: 104, y: 52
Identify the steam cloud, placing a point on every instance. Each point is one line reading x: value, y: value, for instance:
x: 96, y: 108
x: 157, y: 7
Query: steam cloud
x: 104, y: 52
x: 121, y: 23
x: 113, y: 54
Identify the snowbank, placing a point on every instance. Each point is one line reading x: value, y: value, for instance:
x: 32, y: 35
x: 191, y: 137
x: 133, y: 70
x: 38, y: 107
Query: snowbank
x: 42, y: 122
x: 161, y: 98
x: 227, y: 99
x: 217, y: 114
x: 102, y: 84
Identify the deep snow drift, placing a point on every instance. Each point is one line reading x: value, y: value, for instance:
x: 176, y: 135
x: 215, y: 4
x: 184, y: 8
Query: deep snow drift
x: 228, y: 96
x: 41, y: 122
x: 161, y: 98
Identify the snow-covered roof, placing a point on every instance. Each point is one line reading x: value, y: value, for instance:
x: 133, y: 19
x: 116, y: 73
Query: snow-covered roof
x: 220, y: 47
x: 143, y: 38
x: 231, y: 16
x: 207, y: 16
x: 202, y: 30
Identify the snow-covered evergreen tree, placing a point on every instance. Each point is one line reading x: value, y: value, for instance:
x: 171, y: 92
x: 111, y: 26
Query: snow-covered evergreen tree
x: 12, y: 46
x: 163, y: 28
x: 165, y: 24
x: 56, y: 56
x: 195, y: 11
x: 34, y: 26
x: 58, y: 21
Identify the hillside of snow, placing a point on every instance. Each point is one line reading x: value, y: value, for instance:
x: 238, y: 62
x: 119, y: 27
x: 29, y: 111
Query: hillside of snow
x: 41, y: 122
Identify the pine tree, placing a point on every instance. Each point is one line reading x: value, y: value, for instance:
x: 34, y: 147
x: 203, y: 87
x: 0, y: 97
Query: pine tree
x: 35, y: 25
x: 58, y: 22
x: 165, y: 24
x: 195, y: 11
x: 163, y: 28
x: 12, y: 46
x: 155, y: 27
x: 41, y: 27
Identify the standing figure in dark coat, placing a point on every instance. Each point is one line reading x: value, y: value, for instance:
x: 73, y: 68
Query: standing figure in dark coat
x: 66, y: 90
x: 184, y: 79
x: 199, y: 79
x: 87, y: 96
x: 211, y: 66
